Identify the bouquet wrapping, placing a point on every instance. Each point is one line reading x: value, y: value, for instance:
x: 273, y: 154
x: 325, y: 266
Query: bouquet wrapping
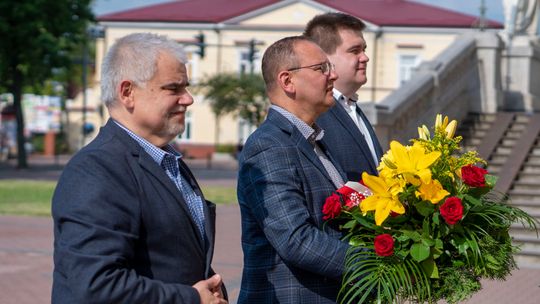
x: 428, y: 227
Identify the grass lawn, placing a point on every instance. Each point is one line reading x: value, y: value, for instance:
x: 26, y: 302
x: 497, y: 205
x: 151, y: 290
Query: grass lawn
x: 26, y: 197
x: 31, y: 197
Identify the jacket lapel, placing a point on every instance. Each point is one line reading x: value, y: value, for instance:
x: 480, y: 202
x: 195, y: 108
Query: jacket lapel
x: 209, y: 215
x: 376, y: 144
x: 299, y: 140
x: 149, y: 165
x: 348, y: 124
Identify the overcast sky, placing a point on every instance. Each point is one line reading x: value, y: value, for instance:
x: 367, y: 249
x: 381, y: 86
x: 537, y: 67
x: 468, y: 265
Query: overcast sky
x: 471, y: 7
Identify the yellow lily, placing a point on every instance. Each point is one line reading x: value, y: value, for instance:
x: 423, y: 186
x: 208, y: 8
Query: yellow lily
x: 439, y: 122
x: 443, y: 124
x: 384, y: 198
x: 423, y: 133
x: 413, y: 162
x: 451, y: 129
x: 432, y: 191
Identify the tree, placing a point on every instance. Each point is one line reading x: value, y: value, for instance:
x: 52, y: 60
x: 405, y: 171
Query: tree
x: 244, y: 95
x: 37, y: 37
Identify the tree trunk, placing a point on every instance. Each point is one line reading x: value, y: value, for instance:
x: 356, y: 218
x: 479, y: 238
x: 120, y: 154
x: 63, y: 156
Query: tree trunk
x: 16, y: 90
x: 216, y: 130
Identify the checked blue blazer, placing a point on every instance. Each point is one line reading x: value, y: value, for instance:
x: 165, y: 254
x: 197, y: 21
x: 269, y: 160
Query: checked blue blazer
x: 122, y: 230
x: 289, y: 256
x: 347, y: 144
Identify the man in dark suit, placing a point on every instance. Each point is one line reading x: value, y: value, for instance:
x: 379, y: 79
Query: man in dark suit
x: 130, y: 222
x: 349, y: 135
x: 285, y: 176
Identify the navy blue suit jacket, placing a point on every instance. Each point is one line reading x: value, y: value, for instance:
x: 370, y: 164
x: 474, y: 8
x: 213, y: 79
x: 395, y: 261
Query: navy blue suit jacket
x: 122, y: 231
x: 289, y: 256
x: 347, y: 144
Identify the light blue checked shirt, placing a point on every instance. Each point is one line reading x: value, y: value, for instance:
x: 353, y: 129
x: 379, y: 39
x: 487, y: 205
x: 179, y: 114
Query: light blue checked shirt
x: 313, y: 134
x: 167, y: 158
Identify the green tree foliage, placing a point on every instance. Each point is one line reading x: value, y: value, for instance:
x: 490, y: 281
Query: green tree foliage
x: 37, y: 38
x: 243, y: 95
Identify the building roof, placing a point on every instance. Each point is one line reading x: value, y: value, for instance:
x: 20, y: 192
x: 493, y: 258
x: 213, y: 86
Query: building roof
x: 379, y: 12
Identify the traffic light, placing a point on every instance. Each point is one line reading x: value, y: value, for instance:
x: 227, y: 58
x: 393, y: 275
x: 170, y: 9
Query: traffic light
x: 201, y: 44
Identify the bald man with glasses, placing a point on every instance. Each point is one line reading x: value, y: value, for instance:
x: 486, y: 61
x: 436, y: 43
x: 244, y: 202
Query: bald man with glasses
x: 285, y: 177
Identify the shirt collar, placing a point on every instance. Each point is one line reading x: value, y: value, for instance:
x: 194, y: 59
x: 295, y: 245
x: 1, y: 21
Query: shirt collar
x: 155, y: 152
x: 343, y: 99
x: 310, y: 133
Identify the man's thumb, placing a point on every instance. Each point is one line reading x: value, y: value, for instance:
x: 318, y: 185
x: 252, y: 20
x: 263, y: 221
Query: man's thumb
x: 214, y: 281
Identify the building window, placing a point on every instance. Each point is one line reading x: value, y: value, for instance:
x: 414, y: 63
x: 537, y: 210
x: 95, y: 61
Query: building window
x: 244, y: 66
x: 406, y: 66
x: 186, y: 136
x: 192, y: 65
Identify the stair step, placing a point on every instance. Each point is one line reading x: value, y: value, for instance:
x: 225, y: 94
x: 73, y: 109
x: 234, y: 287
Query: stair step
x: 520, y: 229
x: 533, y: 160
x: 533, y: 211
x: 513, y: 134
x: 527, y: 261
x: 531, y: 169
x: 535, y: 151
x: 503, y: 151
x: 498, y: 159
x: 523, y: 118
x: 509, y: 142
x: 529, y: 178
x: 525, y: 194
x: 524, y: 185
x: 475, y: 141
x: 494, y: 169
x: 524, y: 203
x: 525, y: 238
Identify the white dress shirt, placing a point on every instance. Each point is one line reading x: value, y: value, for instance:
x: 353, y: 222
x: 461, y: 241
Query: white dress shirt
x: 349, y: 104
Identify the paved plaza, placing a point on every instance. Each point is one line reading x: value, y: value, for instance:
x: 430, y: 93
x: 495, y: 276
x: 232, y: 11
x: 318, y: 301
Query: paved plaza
x: 26, y: 246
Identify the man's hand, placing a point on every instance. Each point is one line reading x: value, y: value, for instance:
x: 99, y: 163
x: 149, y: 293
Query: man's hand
x: 210, y: 290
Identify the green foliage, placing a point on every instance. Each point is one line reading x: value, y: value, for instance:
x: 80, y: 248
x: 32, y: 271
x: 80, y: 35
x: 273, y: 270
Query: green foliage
x: 38, y: 35
x: 369, y: 275
x: 456, y: 285
x: 243, y: 95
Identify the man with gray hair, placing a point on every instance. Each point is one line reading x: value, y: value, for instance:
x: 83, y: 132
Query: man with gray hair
x: 131, y: 224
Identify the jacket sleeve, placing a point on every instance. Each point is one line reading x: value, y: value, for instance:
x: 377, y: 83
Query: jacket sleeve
x: 270, y: 186
x: 96, y: 213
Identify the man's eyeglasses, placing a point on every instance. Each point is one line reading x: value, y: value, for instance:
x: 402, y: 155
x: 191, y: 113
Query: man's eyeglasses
x: 325, y: 67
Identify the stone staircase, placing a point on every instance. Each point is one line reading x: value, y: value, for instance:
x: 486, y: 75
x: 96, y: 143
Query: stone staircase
x: 510, y: 142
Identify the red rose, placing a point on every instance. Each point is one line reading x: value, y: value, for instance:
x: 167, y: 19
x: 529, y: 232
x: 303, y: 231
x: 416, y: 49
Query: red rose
x: 473, y: 176
x: 384, y: 245
x: 452, y: 210
x: 332, y: 207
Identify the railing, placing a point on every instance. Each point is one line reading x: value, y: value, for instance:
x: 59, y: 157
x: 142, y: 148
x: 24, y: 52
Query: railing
x: 464, y: 78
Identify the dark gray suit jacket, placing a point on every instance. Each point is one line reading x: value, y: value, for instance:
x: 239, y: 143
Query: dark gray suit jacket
x: 347, y: 144
x: 289, y: 256
x: 122, y: 231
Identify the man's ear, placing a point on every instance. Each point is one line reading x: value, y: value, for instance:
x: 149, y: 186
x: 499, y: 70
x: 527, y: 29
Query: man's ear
x: 286, y: 82
x: 126, y: 93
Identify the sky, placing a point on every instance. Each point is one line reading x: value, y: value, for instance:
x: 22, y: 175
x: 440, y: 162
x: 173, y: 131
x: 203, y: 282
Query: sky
x: 494, y: 7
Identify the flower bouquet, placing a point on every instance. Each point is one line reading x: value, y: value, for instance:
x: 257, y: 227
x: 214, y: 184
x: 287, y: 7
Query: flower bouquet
x: 428, y: 227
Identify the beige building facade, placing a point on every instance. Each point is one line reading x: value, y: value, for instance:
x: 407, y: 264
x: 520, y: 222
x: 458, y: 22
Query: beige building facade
x: 394, y: 51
